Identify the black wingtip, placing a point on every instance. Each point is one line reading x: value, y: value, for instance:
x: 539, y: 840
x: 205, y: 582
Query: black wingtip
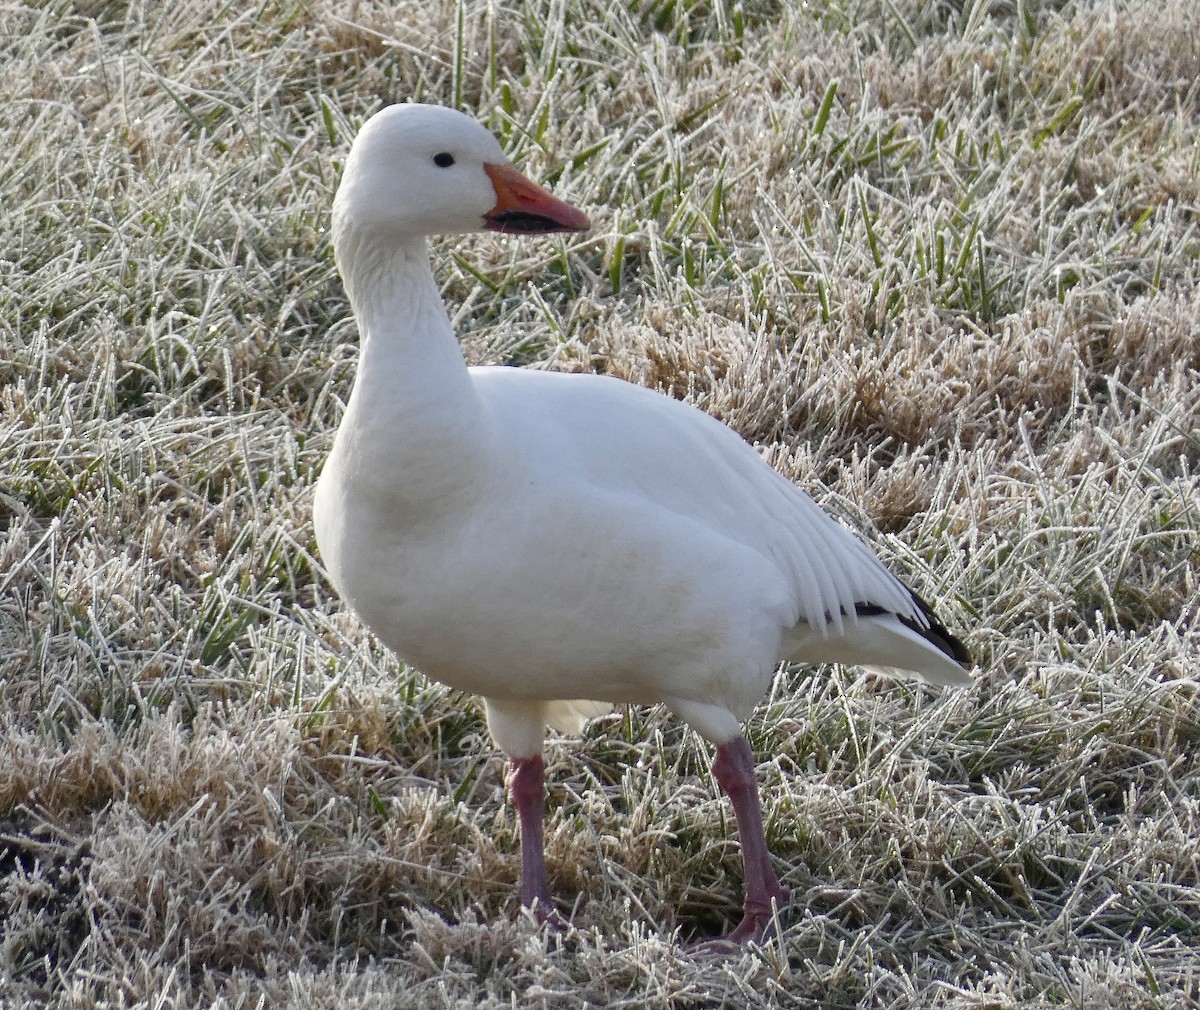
x: 933, y: 630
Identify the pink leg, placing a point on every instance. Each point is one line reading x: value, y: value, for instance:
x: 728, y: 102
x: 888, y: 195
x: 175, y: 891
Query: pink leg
x: 527, y: 789
x: 734, y: 770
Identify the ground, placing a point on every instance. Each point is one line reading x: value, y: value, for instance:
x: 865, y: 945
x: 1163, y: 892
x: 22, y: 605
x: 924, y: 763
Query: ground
x: 936, y: 260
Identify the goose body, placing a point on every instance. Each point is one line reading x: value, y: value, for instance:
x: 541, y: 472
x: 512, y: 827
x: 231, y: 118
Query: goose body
x: 561, y: 543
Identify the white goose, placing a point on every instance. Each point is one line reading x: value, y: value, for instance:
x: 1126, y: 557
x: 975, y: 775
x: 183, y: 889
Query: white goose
x: 559, y: 543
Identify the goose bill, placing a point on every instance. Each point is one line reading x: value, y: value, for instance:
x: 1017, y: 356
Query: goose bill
x: 524, y: 208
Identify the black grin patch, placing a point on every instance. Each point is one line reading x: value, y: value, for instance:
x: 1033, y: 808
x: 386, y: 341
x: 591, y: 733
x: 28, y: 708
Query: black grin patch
x: 518, y: 222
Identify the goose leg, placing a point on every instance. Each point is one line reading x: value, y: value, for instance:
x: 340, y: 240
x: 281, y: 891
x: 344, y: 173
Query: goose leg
x: 527, y: 790
x: 734, y: 771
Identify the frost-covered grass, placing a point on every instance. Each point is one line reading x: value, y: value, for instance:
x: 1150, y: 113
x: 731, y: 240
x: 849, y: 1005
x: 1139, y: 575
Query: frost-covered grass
x: 939, y: 263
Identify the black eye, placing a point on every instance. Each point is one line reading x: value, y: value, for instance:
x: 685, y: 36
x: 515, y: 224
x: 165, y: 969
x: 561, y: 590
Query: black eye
x: 443, y: 160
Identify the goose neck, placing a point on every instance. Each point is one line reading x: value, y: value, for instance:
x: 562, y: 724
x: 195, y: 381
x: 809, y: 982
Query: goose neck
x: 414, y: 411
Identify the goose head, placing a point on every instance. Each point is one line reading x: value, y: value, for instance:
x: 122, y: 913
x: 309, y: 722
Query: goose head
x: 416, y: 170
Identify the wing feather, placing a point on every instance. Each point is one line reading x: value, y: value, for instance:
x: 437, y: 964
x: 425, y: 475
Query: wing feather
x: 626, y: 438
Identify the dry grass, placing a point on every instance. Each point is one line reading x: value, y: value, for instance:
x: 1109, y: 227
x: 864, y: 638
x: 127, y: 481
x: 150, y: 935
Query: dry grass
x: 938, y: 259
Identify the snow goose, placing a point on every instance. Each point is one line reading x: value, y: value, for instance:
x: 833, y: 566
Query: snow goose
x: 560, y: 543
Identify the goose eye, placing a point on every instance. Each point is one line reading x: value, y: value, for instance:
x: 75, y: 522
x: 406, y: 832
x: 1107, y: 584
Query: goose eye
x: 443, y: 160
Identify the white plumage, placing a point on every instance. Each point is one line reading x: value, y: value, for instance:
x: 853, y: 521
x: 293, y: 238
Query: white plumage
x: 559, y: 543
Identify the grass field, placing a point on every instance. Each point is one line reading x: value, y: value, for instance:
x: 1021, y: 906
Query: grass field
x: 938, y: 260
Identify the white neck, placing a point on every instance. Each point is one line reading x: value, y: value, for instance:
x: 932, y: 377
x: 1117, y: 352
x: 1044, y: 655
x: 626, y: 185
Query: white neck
x: 414, y: 425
